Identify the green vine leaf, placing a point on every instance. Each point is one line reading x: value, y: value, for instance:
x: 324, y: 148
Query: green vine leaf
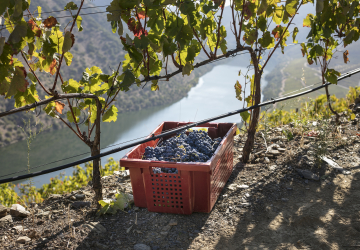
x: 18, y: 82
x: 110, y: 114
x: 68, y: 41
x: 71, y: 6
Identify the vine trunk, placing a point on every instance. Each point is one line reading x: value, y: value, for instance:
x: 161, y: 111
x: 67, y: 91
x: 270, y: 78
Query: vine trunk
x: 256, y: 112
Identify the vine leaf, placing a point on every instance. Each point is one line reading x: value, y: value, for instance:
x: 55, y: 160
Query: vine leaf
x: 186, y: 70
x: 53, y: 67
x: 291, y: 6
x: 245, y: 116
x: 50, y: 22
x: 68, y: 41
x: 70, y: 117
x: 71, y: 6
x: 18, y: 33
x: 78, y: 23
x: 295, y: 32
x: 68, y: 58
x: 154, y: 86
x: 238, y: 90
x: 319, y: 5
x: 345, y: 56
x: 18, y: 82
x: 59, y: 106
x: 331, y: 76
x: 110, y: 114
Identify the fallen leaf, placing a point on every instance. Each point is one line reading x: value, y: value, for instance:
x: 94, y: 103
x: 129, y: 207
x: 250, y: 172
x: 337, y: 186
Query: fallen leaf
x: 59, y: 106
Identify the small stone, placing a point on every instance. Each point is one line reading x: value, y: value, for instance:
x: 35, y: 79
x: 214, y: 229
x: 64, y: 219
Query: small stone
x: 3, y: 211
x: 272, y: 168
x: 243, y: 186
x: 80, y: 204
x: 173, y: 222
x: 18, y: 211
x: 87, y: 193
x: 136, y: 208
x: 43, y: 213
x: 33, y: 234
x: 266, y: 160
x: 141, y: 247
x: 245, y: 204
x: 73, y: 198
x: 308, y: 174
x: 23, y: 239
x: 96, y: 227
x: 273, y: 152
x: 5, y: 220
x: 18, y: 228
x: 118, y: 242
x: 130, y: 198
x: 232, y: 187
x: 55, y: 196
x: 80, y: 196
x: 98, y: 245
x: 284, y: 199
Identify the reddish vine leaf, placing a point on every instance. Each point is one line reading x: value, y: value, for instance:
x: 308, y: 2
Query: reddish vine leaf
x: 277, y: 32
x: 247, y: 11
x: 142, y: 14
x: 345, y: 56
x: 53, y: 67
x: 59, y: 106
x: 50, y: 22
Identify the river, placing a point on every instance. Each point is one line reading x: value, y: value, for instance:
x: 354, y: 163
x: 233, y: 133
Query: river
x: 213, y: 95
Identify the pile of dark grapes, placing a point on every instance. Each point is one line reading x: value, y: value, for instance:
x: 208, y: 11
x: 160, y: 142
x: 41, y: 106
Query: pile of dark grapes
x: 197, y: 146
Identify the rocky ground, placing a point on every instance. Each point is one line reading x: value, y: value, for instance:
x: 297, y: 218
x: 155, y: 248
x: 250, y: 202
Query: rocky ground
x: 286, y: 198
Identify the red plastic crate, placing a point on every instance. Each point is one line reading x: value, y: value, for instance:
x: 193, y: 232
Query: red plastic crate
x: 197, y: 185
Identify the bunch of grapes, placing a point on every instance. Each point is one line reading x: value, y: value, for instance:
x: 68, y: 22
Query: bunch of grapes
x: 195, y: 147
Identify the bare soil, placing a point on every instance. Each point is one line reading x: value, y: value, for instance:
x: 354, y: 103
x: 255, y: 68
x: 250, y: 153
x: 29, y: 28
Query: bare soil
x: 278, y: 210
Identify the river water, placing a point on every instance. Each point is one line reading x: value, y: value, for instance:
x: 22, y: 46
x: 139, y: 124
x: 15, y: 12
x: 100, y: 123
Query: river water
x: 213, y: 95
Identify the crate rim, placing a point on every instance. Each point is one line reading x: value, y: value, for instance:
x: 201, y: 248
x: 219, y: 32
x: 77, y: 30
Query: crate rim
x: 200, y: 166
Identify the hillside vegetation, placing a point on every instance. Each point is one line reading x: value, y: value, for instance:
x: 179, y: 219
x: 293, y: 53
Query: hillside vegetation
x: 95, y: 45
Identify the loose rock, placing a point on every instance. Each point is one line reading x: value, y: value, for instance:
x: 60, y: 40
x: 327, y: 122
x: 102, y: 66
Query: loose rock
x: 80, y: 204
x: 23, y: 239
x: 80, y: 196
x: 141, y: 247
x: 18, y: 211
x: 3, y: 211
x: 96, y: 227
x: 5, y: 220
x: 308, y: 174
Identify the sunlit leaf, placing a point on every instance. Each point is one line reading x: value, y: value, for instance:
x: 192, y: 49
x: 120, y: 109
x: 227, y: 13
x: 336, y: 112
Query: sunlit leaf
x: 110, y: 114
x: 59, y: 106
